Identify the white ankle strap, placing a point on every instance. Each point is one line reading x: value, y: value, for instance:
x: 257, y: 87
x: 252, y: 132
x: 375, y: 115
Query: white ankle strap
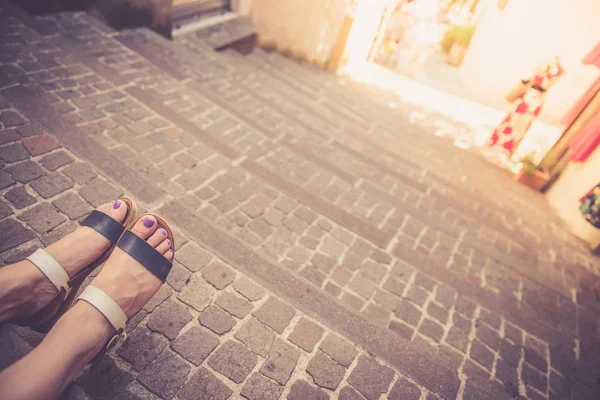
x: 106, y: 305
x: 51, y: 268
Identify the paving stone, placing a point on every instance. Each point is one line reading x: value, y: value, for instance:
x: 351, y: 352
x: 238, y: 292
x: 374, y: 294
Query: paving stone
x: 404, y: 390
x: 5, y: 180
x: 339, y: 349
x: 352, y: 261
x: 364, y: 287
x: 462, y: 323
x: 165, y: 375
x: 417, y: 295
x: 72, y: 205
x: 510, y: 352
x: 233, y: 360
x: 347, y: 393
x: 492, y: 319
x: 445, y: 295
x: 488, y: 336
x: 218, y: 274
x: 325, y: 372
x: 465, y: 306
x: 195, y: 344
x: 256, y: 336
x: 534, y: 378
x: 42, y: 218
x: 56, y: 160
x: 80, y: 173
x: 260, y: 388
x: 178, y: 276
x: 276, y: 314
x: 12, y: 118
x: 23, y: 172
x: 135, y: 391
x: 5, y: 210
x: 204, y: 385
x: 51, y: 184
x: 353, y: 301
x: 377, y: 313
x: 13, y: 152
x: 481, y: 354
x: 301, y: 390
x: 217, y: 320
x: 197, y: 293
x: 323, y: 262
x: 281, y: 362
x: 19, y: 197
x: 425, y: 282
x: 508, y: 375
x: 457, y: 339
x: 235, y: 305
x: 409, y: 313
x: 513, y: 333
x: 247, y: 288
x: 110, y: 380
x: 306, y: 334
x: 370, y: 378
x: 98, y: 192
x: 380, y: 257
x: 439, y: 313
x: 402, y: 329
x: 193, y: 257
x: 169, y: 318
x: 40, y: 144
x: 9, y: 135
x: 159, y: 297
x: 394, y: 285
x: 141, y: 348
x: 432, y: 330
x: 534, y: 352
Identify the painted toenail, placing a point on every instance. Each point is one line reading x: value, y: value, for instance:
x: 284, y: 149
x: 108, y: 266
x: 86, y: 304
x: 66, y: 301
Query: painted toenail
x: 163, y: 232
x: 148, y: 223
x: 116, y: 204
x: 168, y: 242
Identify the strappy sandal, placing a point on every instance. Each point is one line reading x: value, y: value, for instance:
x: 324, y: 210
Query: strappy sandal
x: 44, y: 319
x: 148, y: 257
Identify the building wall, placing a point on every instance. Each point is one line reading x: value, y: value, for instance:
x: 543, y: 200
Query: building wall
x: 507, y: 45
x: 305, y: 28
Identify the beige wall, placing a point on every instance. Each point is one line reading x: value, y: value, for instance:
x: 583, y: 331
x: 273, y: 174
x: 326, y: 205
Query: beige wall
x: 305, y: 28
x: 508, y: 45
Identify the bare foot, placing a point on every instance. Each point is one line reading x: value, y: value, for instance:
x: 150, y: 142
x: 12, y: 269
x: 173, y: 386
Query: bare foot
x: 129, y: 283
x: 27, y: 289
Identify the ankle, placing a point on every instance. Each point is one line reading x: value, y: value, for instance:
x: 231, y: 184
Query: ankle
x: 20, y: 285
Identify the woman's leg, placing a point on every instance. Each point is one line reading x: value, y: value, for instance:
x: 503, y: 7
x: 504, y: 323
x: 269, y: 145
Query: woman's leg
x: 82, y: 332
x: 24, y: 289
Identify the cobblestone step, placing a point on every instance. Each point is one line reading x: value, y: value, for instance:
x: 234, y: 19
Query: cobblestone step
x: 222, y: 201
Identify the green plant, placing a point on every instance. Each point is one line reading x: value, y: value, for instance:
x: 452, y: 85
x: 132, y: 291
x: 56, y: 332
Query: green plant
x: 459, y: 34
x: 529, y: 166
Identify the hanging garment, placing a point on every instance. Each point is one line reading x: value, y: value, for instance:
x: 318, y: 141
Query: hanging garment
x: 585, y: 141
x: 589, y: 205
x: 524, y: 110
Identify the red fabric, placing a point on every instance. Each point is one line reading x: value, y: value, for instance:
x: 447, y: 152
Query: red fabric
x: 586, y: 141
x: 522, y: 108
x: 592, y: 58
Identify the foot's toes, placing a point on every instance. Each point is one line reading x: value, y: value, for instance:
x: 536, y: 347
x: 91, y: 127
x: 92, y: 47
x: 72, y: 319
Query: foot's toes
x: 116, y: 209
x: 169, y: 254
x: 164, y: 246
x: 157, y: 237
x: 145, y: 227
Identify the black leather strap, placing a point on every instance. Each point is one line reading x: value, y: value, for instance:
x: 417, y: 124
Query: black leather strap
x: 145, y: 254
x: 104, y: 225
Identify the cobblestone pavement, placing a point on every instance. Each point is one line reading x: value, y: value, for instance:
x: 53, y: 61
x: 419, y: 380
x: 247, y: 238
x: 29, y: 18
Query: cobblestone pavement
x: 328, y: 248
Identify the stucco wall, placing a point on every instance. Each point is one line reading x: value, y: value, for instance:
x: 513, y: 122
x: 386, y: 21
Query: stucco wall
x: 305, y: 28
x: 508, y: 45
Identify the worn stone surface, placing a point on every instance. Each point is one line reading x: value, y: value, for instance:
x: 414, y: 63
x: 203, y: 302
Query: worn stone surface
x: 217, y: 320
x: 370, y: 378
x: 234, y: 304
x: 165, y: 375
x: 404, y: 390
x: 325, y: 372
x: 204, y: 385
x: 169, y: 318
x: 260, y: 388
x: 195, y: 344
x: 301, y: 390
x: 339, y: 349
x: 233, y: 360
x: 248, y: 289
x: 218, y: 274
x: 197, y: 293
x: 276, y: 314
x: 141, y: 347
x: 257, y: 336
x: 281, y: 362
x: 306, y: 334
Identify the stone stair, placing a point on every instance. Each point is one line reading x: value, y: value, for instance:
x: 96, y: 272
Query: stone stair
x: 310, y: 185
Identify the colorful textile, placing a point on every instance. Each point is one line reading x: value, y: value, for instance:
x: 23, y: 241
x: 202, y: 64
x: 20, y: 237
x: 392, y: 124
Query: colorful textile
x: 589, y: 205
x: 585, y: 141
x: 527, y: 108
